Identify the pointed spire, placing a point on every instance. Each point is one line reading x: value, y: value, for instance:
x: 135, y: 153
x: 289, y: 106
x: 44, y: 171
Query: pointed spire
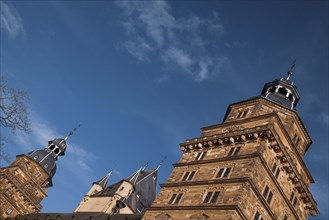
x: 161, y: 162
x: 104, y: 180
x: 144, y: 167
x: 134, y: 177
x: 291, y: 69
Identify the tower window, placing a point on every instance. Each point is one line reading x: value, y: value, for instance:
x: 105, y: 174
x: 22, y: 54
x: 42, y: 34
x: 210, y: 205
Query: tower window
x: 275, y: 170
x: 175, y: 198
x: 211, y: 197
x: 52, y: 147
x: 296, y: 139
x: 35, y: 157
x: 56, y: 150
x: 242, y: 114
x: 188, y: 176
x: 8, y: 192
x: 258, y: 216
x: 234, y: 151
x: 37, y: 174
x: 200, y: 155
x: 272, y: 89
x: 293, y: 199
x: 9, y: 211
x: 282, y: 91
x: 291, y: 97
x: 267, y: 194
x: 224, y: 172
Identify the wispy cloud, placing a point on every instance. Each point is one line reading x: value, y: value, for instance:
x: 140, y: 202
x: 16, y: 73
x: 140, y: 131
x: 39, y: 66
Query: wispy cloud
x: 10, y: 20
x: 152, y: 31
x: 324, y: 118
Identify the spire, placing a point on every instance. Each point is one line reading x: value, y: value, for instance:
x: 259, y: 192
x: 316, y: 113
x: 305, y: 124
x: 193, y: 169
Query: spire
x: 291, y: 69
x: 104, y: 180
x: 161, y: 162
x: 71, y: 132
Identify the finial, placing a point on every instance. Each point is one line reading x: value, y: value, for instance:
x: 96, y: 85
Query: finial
x: 71, y: 132
x: 161, y: 162
x: 291, y: 69
x: 145, y: 165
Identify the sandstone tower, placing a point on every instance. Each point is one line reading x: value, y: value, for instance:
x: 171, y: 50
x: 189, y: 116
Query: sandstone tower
x: 249, y: 167
x: 128, y: 196
x: 23, y: 184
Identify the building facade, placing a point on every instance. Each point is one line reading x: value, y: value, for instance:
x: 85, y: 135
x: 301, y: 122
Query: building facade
x: 24, y: 184
x: 132, y: 195
x: 248, y: 167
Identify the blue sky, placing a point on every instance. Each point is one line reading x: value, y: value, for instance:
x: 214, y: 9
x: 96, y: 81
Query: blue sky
x: 141, y: 77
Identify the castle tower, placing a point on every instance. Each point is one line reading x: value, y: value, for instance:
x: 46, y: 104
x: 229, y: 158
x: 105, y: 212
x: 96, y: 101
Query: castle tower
x: 248, y: 167
x: 128, y: 196
x: 24, y: 184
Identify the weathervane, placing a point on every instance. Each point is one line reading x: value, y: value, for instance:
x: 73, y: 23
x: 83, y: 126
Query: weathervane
x: 291, y: 69
x: 71, y: 132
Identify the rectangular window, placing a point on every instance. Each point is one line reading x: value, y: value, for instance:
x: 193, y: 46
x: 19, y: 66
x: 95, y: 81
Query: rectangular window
x: 200, y: 155
x: 292, y: 196
x: 234, y: 151
x: 269, y: 198
x: 275, y: 170
x: 211, y: 197
x: 237, y: 151
x: 175, y: 198
x: 9, y: 211
x: 207, y: 198
x: 37, y: 174
x: 257, y: 216
x: 230, y: 152
x: 224, y: 172
x: 295, y: 202
x: 267, y: 194
x: 296, y: 139
x: 265, y: 191
x: 8, y: 192
x: 214, y: 197
x: 277, y: 173
x: 242, y: 114
x: 188, y: 176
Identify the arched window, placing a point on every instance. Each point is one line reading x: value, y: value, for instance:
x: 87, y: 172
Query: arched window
x: 272, y: 89
x: 291, y: 97
x: 52, y: 147
x: 56, y: 150
x: 282, y: 91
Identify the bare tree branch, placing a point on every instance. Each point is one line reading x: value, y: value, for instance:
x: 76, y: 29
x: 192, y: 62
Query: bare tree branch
x: 13, y: 113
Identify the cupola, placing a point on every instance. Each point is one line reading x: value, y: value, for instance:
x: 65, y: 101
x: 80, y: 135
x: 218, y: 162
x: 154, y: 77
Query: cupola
x: 282, y: 91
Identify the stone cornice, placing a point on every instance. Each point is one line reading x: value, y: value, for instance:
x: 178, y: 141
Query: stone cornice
x: 200, y: 207
x: 262, y: 99
x: 267, y: 133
